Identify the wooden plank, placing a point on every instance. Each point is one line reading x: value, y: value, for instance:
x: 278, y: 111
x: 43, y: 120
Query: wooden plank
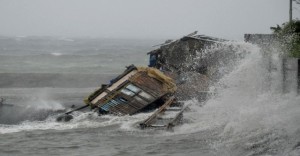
x: 148, y: 121
x: 175, y: 119
x: 133, y: 103
x: 130, y: 107
x: 149, y: 91
x: 298, y: 77
x: 148, y: 84
x: 117, y: 110
x: 111, y: 94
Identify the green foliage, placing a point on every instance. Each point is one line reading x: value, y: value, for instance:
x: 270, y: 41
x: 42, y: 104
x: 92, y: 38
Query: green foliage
x: 289, y: 36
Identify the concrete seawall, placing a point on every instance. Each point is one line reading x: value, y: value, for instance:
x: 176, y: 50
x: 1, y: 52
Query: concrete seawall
x: 289, y: 67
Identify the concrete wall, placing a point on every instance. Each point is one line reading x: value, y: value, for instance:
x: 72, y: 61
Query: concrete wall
x: 290, y: 67
x: 290, y: 75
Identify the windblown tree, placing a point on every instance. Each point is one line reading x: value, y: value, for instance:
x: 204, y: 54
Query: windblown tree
x: 289, y: 36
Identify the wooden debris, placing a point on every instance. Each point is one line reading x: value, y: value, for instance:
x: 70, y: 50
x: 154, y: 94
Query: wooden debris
x: 135, y: 90
x: 165, y: 117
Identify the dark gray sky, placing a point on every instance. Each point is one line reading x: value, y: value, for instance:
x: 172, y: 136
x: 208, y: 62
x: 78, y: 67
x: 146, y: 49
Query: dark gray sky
x: 228, y: 19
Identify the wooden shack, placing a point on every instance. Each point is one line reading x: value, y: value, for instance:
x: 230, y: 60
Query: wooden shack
x: 136, y: 89
x: 192, y: 63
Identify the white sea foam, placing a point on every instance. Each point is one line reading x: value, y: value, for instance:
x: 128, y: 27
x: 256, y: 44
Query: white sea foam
x: 249, y: 109
x: 56, y: 54
x: 81, y: 120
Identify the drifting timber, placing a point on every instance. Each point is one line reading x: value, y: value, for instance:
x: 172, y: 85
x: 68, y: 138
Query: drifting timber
x: 167, y: 116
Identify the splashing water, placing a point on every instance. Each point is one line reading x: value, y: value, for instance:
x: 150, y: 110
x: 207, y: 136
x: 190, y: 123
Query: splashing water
x: 81, y: 120
x: 251, y: 116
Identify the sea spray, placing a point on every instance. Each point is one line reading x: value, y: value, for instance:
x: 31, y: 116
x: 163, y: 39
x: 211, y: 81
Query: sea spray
x: 36, y: 106
x: 42, y: 100
x: 252, y: 116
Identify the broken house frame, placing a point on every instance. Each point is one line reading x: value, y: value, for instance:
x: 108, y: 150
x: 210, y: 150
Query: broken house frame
x: 139, y: 89
x: 135, y: 90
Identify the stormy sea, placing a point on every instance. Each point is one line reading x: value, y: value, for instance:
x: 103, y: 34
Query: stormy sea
x: 41, y: 77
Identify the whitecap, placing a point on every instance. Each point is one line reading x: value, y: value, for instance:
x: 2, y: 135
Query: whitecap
x: 56, y: 54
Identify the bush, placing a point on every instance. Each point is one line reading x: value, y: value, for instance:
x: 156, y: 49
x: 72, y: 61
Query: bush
x: 289, y: 36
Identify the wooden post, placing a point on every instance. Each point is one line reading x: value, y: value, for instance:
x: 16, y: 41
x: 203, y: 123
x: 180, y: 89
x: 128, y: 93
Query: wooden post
x: 284, y: 61
x: 298, y: 77
x: 291, y: 10
x: 148, y: 121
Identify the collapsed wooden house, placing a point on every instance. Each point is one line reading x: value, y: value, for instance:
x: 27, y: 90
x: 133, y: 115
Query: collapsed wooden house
x: 137, y: 89
x: 132, y: 91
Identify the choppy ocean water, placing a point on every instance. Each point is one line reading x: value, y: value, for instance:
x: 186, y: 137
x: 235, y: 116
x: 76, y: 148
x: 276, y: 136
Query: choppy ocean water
x: 43, y: 75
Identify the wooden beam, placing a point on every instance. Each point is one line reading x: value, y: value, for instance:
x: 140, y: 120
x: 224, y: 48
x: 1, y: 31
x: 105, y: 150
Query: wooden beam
x: 298, y: 76
x: 148, y: 121
x: 175, y: 119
